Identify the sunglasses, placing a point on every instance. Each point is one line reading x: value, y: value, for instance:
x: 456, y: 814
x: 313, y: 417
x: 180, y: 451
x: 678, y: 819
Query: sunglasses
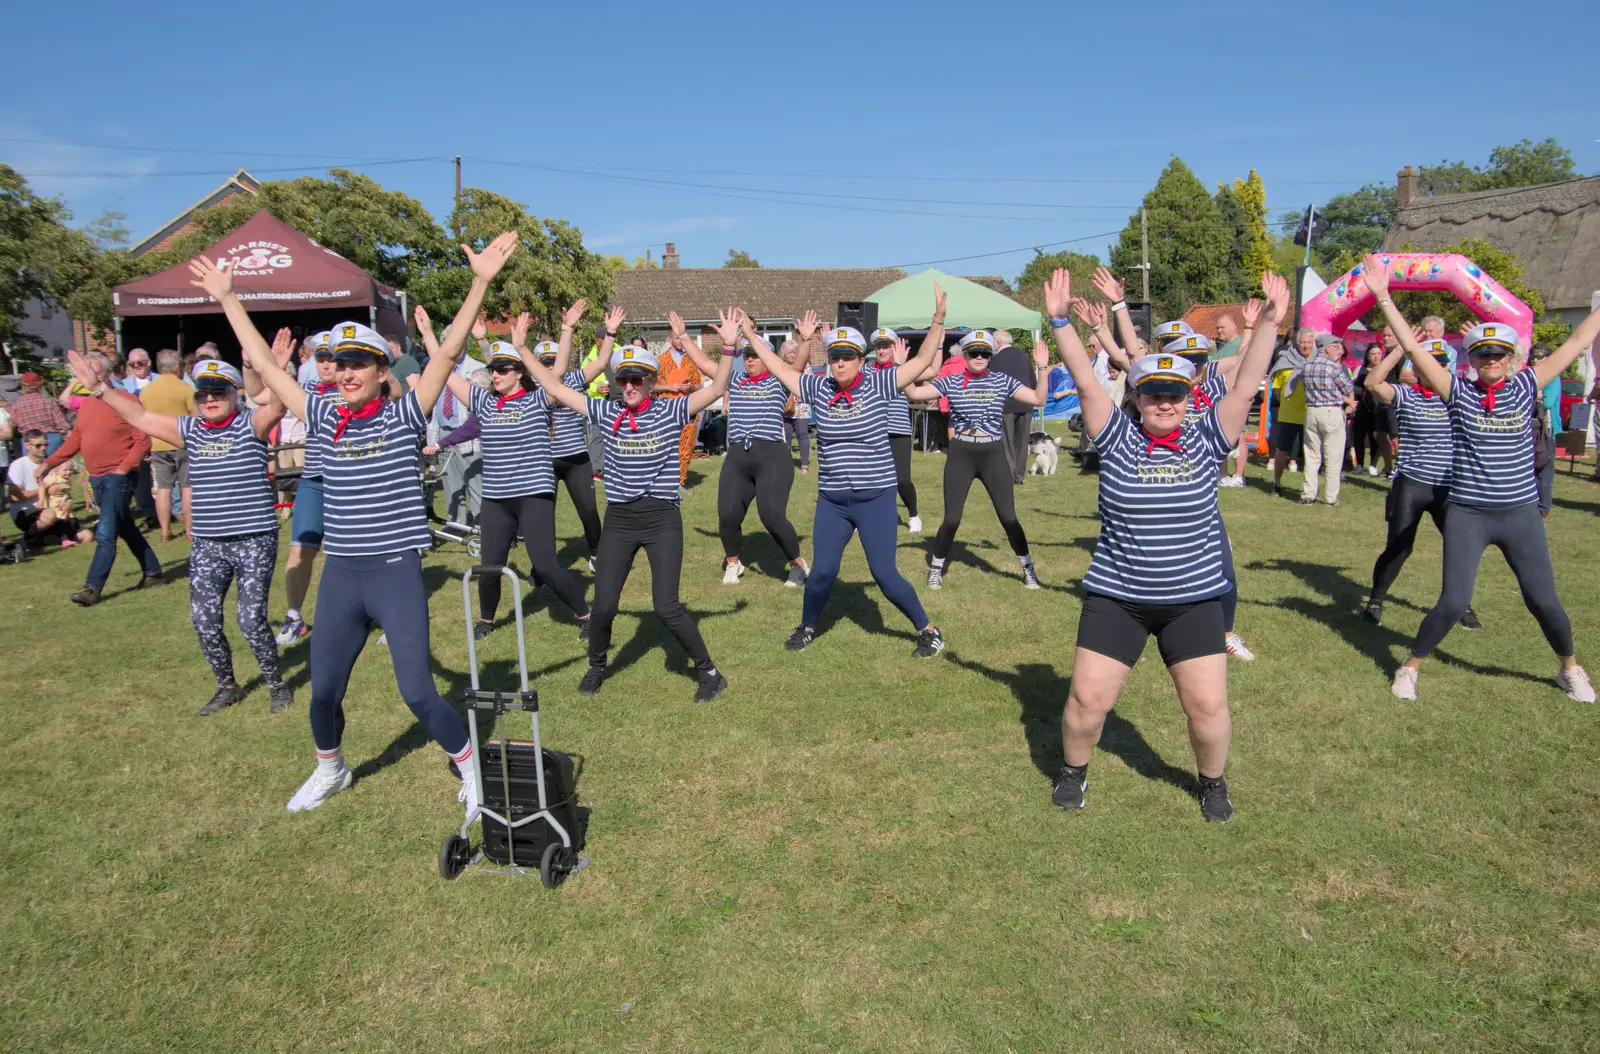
x: 138, y: 362
x: 979, y: 353
x: 504, y: 367
x: 632, y: 382
x: 322, y: 356
x: 208, y: 394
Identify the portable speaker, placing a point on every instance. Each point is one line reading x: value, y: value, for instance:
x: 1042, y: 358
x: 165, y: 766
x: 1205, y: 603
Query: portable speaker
x: 1142, y: 322
x: 861, y: 315
x: 521, y: 798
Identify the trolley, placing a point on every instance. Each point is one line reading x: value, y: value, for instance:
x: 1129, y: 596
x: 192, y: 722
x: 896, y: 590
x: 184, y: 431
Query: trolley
x: 528, y: 796
x: 443, y: 528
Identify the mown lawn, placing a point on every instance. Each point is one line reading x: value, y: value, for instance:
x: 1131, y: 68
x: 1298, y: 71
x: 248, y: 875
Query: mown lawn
x: 851, y: 851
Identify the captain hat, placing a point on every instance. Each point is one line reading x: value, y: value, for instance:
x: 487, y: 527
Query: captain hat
x: 500, y: 351
x: 1483, y: 338
x: 1196, y: 344
x: 546, y: 350
x: 1161, y: 374
x: 842, y: 339
x: 1170, y: 330
x: 214, y: 373
x: 884, y: 335
x: 634, y: 361
x: 352, y: 340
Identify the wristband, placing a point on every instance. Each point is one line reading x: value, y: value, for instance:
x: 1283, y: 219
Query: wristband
x: 1059, y: 323
x: 608, y: 333
x: 1120, y: 305
x: 1385, y: 302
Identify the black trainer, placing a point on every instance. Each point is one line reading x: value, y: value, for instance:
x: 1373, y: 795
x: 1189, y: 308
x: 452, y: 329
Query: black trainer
x: 1470, y: 620
x: 712, y: 684
x: 1373, y: 612
x: 1215, y: 807
x: 483, y: 628
x: 590, y: 685
x: 1070, y: 788
x: 802, y: 636
x: 929, y: 644
x: 282, y: 698
x: 226, y: 696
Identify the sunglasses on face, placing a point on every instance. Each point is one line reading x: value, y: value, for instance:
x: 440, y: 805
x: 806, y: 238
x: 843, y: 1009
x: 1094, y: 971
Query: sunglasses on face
x: 979, y: 353
x: 138, y: 362
x: 37, y: 446
x: 504, y: 368
x: 632, y: 382
x: 207, y: 396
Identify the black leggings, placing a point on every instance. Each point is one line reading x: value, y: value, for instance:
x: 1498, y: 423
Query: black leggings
x: 1519, y: 534
x: 764, y: 472
x: 1408, y: 500
x: 987, y: 463
x: 577, y: 472
x: 901, y: 448
x: 534, y: 516
x: 656, y: 526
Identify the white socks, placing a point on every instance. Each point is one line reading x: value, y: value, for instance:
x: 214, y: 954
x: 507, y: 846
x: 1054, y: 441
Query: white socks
x: 1026, y: 559
x: 330, y: 760
x: 293, y: 614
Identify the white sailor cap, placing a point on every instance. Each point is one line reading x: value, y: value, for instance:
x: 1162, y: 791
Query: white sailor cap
x: 214, y: 373
x: 546, y: 350
x: 1437, y: 348
x: 978, y: 338
x: 843, y: 339
x: 1161, y: 374
x: 633, y: 360
x: 1485, y: 337
x: 501, y: 351
x: 352, y: 340
x: 884, y: 335
x: 1173, y: 330
x: 1196, y: 345
x: 320, y: 341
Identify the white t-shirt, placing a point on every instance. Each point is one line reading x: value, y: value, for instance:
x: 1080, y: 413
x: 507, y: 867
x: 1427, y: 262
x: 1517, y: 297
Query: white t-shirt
x: 22, y: 473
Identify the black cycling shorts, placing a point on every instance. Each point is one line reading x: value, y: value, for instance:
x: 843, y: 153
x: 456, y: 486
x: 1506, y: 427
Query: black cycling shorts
x: 1118, y: 629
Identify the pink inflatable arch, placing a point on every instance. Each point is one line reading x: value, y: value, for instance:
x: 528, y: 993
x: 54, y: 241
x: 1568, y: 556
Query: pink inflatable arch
x: 1348, y: 298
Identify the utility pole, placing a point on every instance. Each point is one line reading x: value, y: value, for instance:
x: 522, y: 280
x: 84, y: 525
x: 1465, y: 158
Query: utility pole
x: 1144, y: 251
x: 1305, y: 265
x: 457, y: 224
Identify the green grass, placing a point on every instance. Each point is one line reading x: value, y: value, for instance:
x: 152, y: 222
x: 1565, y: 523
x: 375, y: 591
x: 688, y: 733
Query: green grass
x: 851, y: 850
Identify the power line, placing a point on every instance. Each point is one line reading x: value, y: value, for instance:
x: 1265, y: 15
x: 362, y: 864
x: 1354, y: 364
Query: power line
x: 214, y: 174
x: 1008, y: 252
x: 164, y: 149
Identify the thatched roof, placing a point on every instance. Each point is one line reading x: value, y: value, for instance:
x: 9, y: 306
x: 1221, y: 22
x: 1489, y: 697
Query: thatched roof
x: 1553, y: 229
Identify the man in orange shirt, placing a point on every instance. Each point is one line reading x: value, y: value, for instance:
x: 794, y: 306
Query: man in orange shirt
x: 676, y: 378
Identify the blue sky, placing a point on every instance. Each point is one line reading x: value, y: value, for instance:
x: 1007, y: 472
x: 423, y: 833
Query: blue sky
x: 917, y: 132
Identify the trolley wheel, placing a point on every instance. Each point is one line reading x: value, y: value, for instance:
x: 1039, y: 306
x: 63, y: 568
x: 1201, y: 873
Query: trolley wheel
x: 454, y: 855
x: 474, y: 547
x: 555, y: 865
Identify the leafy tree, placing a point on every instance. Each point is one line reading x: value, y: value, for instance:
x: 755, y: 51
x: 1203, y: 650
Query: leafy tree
x: 1527, y: 164
x: 1237, y: 224
x: 740, y: 258
x: 1503, y: 267
x: 1030, y: 284
x: 640, y: 263
x: 109, y: 230
x: 1258, y: 250
x: 1189, y: 244
x: 41, y: 258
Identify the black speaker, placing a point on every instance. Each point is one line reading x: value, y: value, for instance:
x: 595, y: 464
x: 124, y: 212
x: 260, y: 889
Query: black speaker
x: 1142, y: 322
x: 861, y: 315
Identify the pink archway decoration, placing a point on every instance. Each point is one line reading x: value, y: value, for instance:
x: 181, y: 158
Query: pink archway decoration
x: 1347, y: 298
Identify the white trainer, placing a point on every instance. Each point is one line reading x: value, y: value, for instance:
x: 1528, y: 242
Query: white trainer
x: 914, y: 525
x: 797, y: 576
x: 1372, y: 470
x: 323, y: 784
x: 468, y: 792
x: 1575, y: 682
x: 732, y: 572
x: 1405, y: 683
x: 1236, y: 648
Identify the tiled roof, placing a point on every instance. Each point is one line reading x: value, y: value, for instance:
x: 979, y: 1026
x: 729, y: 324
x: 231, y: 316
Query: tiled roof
x: 1553, y: 230
x: 1203, y: 318
x: 698, y: 293
x: 241, y: 182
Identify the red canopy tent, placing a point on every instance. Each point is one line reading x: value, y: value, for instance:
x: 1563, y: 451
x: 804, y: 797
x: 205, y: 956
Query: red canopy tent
x: 282, y: 277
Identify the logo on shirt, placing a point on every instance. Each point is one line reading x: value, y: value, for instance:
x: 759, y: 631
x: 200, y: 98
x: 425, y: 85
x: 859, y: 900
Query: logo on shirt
x: 357, y: 449
x: 217, y: 447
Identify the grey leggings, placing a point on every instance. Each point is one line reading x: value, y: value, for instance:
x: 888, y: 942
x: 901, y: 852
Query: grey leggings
x: 1519, y: 534
x: 214, y: 563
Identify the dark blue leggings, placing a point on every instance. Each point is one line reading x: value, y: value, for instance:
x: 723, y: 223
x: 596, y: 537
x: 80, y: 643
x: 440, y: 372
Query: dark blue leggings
x: 355, y: 592
x: 872, y: 514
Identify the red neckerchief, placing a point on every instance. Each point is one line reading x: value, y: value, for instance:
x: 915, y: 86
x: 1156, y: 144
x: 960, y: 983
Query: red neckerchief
x: 967, y: 376
x: 223, y: 423
x: 323, y: 388
x: 1423, y: 391
x: 891, y: 364
x: 500, y: 403
x: 1172, y: 441
x: 346, y: 415
x: 1488, y: 391
x: 1202, y: 399
x: 754, y: 378
x: 631, y: 414
x: 844, y: 393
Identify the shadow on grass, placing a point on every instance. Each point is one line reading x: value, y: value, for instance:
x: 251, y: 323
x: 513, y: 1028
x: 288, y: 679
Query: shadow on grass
x: 1041, y: 693
x: 849, y: 602
x: 759, y: 551
x: 653, y: 633
x: 1578, y: 506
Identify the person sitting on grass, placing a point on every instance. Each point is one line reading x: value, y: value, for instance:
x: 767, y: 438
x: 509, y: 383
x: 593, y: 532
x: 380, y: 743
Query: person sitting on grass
x: 36, y: 499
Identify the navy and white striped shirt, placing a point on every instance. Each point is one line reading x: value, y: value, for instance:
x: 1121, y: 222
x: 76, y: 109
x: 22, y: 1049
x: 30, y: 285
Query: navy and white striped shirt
x: 1426, y: 439
x: 755, y: 408
x: 313, y: 465
x: 641, y: 450
x: 852, y: 439
x: 567, y: 438
x: 516, y: 443
x: 978, y: 401
x: 1212, y: 388
x: 228, y: 474
x: 1161, y: 536
x: 1493, y: 466
x: 899, y: 413
x: 371, y: 477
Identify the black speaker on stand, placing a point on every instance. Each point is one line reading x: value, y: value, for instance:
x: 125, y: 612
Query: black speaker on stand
x: 1143, y: 323
x: 860, y: 315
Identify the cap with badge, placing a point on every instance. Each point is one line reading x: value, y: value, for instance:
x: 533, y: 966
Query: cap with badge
x: 631, y: 360
x: 883, y: 335
x: 1437, y: 348
x: 320, y: 342
x: 844, y: 341
x: 1173, y: 330
x: 1190, y: 345
x: 500, y: 351
x: 1491, y: 338
x: 977, y: 340
x: 1161, y: 374
x: 215, y: 375
x: 546, y: 351
x: 354, y: 342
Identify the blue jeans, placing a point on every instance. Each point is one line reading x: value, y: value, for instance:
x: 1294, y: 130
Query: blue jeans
x: 114, y: 494
x: 874, y: 516
x: 52, y: 442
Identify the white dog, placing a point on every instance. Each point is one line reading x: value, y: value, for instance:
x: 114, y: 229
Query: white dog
x: 1043, y: 453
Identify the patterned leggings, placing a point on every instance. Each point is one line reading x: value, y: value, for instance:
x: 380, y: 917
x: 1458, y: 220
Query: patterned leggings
x: 213, y: 564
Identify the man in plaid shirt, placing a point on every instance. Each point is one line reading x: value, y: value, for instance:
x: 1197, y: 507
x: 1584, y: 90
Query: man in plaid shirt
x: 36, y: 409
x: 1330, y: 395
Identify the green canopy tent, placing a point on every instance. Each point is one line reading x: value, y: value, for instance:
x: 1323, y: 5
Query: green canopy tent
x: 908, y: 304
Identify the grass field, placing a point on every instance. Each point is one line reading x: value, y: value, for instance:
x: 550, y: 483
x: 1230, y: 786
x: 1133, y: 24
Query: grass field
x: 851, y: 851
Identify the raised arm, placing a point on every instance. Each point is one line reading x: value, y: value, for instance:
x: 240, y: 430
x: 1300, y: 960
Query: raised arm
x: 485, y: 266
x: 127, y: 407
x: 922, y: 391
x: 544, y: 376
x: 430, y: 341
x: 569, y: 321
x: 1095, y: 404
x: 728, y: 323
x: 806, y: 326
x: 1228, y: 370
x: 1039, y: 394
x: 1432, y: 374
x: 1094, y: 315
x: 1583, y: 337
x: 1115, y: 292
x: 927, y: 355
x: 1378, y: 376
x: 608, y: 339
x: 703, y: 397
x: 1233, y: 409
x: 283, y: 351
x: 218, y: 284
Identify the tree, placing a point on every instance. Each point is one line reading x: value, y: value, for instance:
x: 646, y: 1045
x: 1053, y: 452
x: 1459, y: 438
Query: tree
x: 1030, y: 283
x: 1237, y: 223
x: 1527, y: 164
x: 740, y: 258
x: 108, y: 230
x: 1503, y: 267
x: 1258, y: 250
x: 1189, y: 244
x: 640, y: 263
x: 41, y: 258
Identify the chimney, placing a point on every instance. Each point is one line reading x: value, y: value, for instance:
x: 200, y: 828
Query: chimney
x: 1405, y: 189
x: 669, y: 259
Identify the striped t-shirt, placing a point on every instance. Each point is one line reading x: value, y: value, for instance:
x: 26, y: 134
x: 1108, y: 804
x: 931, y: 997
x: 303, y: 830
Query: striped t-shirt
x: 228, y: 475
x: 978, y: 401
x: 852, y: 441
x: 516, y: 443
x: 1426, y: 442
x: 371, y: 477
x: 1493, y: 451
x: 1206, y: 394
x: 755, y: 408
x: 1161, y: 536
x: 641, y: 447
x: 313, y: 465
x: 567, y: 438
x: 899, y: 413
